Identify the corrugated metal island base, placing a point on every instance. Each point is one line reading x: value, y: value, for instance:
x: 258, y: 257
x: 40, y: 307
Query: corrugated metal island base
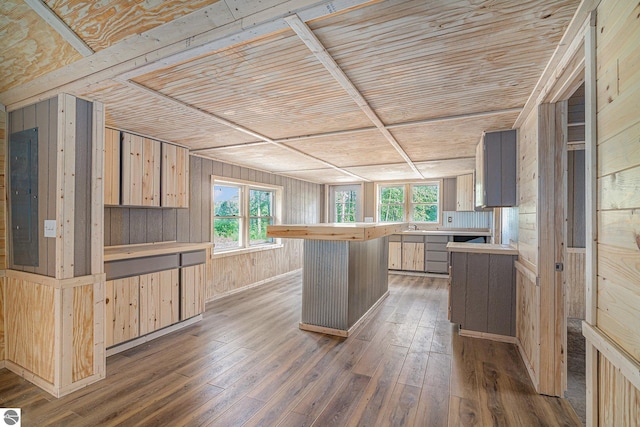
x: 345, y: 272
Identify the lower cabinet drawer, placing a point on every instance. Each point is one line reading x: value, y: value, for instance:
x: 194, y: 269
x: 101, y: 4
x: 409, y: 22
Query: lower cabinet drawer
x: 438, y: 256
x: 440, y: 247
x: 437, y: 267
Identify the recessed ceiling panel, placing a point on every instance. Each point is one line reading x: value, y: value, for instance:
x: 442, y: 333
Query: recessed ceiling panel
x: 354, y: 149
x: 273, y: 86
x: 387, y: 172
x: 449, y: 139
x: 132, y: 110
x: 323, y: 176
x: 446, y: 168
x: 267, y: 157
x: 418, y: 59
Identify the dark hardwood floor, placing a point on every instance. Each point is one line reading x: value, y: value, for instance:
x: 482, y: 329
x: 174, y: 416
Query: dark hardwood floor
x: 247, y: 363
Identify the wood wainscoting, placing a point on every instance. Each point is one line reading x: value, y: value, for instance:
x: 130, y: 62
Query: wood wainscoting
x: 54, y: 335
x: 528, y: 320
x: 575, y: 282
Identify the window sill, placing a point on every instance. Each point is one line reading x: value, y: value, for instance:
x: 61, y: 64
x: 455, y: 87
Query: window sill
x: 243, y: 251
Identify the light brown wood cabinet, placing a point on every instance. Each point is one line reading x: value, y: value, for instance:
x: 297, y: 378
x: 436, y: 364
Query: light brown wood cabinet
x: 121, y: 310
x: 413, y: 256
x: 111, y: 167
x: 395, y: 255
x: 159, y: 300
x: 192, y: 290
x: 175, y: 176
x: 465, y: 192
x: 140, y: 171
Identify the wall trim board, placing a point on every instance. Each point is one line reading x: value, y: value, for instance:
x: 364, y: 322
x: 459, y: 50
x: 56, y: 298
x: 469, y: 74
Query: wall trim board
x: 65, y: 186
x: 31, y: 377
x: 622, y: 360
x: 591, y: 217
x: 527, y: 364
x: 488, y: 336
x: 72, y: 282
x: 526, y: 271
x: 253, y: 285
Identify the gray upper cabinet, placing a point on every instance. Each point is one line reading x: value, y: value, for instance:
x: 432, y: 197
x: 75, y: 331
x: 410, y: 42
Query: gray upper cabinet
x: 496, y: 157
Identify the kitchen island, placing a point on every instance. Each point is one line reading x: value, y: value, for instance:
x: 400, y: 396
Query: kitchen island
x: 344, y: 272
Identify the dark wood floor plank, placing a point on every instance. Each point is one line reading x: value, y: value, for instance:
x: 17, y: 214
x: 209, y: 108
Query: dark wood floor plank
x: 248, y: 363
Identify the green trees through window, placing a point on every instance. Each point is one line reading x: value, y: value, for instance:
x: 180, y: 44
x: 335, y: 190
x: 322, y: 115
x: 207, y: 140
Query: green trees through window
x: 241, y: 215
x: 345, y: 206
x: 422, y: 206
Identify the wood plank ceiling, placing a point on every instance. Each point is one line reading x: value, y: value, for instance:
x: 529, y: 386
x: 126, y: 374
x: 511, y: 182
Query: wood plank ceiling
x: 326, y: 91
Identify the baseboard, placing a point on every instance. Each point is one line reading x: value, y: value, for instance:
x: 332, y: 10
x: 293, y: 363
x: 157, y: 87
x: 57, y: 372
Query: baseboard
x: 419, y: 274
x: 32, y: 378
x: 488, y: 336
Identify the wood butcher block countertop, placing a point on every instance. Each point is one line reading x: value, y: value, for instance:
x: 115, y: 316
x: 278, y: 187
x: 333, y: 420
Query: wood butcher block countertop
x: 359, y: 231
x: 481, y: 248
x: 113, y: 253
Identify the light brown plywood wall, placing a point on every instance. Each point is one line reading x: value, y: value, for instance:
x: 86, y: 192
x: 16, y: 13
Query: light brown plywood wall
x: 618, y: 200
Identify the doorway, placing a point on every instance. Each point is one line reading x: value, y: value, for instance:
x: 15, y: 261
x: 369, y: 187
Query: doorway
x: 575, y: 252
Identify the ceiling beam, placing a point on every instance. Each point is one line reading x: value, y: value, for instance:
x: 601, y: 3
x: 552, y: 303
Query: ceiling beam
x: 315, y: 46
x: 60, y: 27
x: 190, y: 109
x: 203, y: 31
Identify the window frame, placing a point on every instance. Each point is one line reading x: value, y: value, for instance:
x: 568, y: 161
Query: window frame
x: 245, y: 216
x: 408, y: 204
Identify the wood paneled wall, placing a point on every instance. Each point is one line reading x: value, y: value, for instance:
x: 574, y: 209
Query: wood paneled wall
x: 44, y: 115
x: 619, y: 399
x: 528, y: 320
x: 528, y: 192
x: 301, y: 200
x: 618, y: 201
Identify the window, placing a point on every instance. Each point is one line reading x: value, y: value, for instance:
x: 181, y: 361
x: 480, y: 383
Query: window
x: 392, y: 206
x: 241, y: 213
x: 345, y: 201
x: 422, y: 204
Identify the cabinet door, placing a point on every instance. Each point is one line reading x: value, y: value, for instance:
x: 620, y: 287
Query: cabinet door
x: 159, y: 300
x: 175, y: 176
x: 395, y: 255
x: 121, y: 310
x: 465, y: 192
x: 192, y: 280
x: 413, y: 256
x: 111, y: 167
x: 140, y: 171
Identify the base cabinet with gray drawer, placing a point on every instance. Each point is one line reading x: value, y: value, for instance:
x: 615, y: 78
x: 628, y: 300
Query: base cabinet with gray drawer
x: 146, y: 294
x: 437, y: 257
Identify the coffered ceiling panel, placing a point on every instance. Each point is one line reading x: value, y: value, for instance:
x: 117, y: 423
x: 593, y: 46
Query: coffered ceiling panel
x: 416, y: 59
x: 385, y: 172
x: 273, y: 86
x: 449, y: 139
x: 447, y: 168
x: 353, y: 149
x: 265, y: 157
x: 131, y: 109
